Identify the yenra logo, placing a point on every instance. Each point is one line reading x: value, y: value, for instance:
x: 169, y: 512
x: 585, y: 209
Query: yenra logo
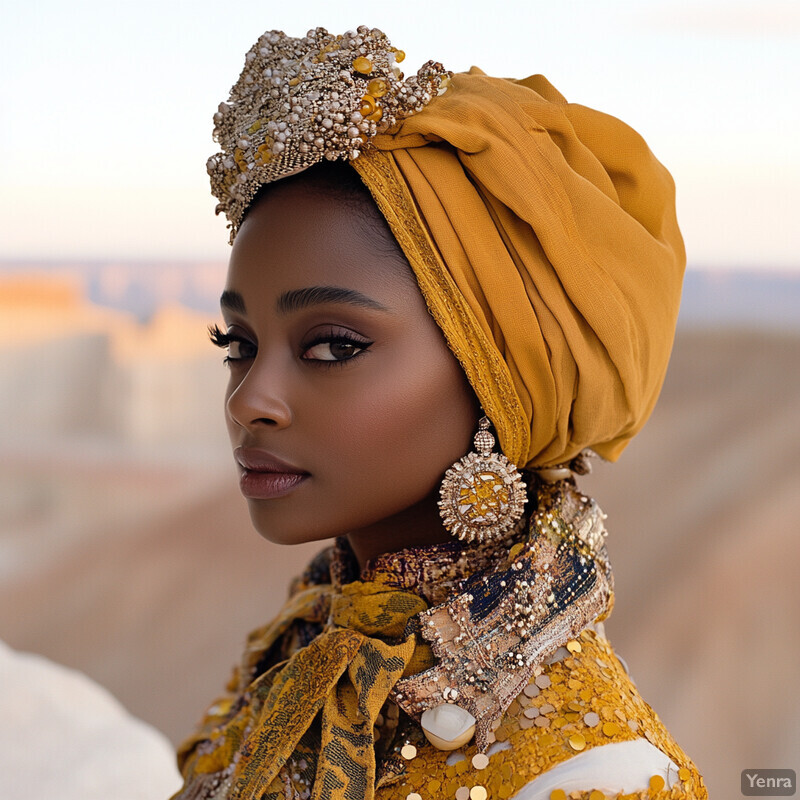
x: 768, y: 782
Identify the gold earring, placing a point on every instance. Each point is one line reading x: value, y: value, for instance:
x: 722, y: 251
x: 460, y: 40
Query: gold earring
x: 483, y: 494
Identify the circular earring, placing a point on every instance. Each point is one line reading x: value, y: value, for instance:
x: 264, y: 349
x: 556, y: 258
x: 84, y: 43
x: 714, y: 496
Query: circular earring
x: 483, y: 494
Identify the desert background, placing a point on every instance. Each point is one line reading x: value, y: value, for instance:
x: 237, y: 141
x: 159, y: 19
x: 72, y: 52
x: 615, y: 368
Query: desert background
x: 126, y: 550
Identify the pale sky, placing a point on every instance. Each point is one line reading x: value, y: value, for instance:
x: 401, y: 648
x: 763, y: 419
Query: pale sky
x: 106, y: 108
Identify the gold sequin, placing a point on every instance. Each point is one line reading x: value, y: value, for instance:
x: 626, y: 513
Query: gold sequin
x: 595, y: 712
x: 684, y: 774
x: 434, y: 786
x: 558, y: 794
x: 408, y: 752
x: 597, y: 795
x: 656, y: 783
x: 577, y: 742
x: 480, y: 761
x: 574, y: 646
x: 610, y: 728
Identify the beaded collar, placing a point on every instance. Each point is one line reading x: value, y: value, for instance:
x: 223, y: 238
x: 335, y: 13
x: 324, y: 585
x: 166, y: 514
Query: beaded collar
x: 434, y: 572
x: 498, y: 609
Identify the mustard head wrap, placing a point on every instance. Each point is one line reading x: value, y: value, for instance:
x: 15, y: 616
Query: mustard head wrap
x: 543, y: 236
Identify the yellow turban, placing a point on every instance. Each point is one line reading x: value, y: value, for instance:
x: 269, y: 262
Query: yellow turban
x: 544, y: 239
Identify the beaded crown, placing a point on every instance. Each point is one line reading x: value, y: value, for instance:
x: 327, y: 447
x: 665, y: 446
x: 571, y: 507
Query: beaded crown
x: 298, y: 101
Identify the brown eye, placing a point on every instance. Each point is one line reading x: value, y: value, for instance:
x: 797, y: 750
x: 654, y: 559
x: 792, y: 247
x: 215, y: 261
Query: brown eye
x: 240, y: 350
x: 331, y: 349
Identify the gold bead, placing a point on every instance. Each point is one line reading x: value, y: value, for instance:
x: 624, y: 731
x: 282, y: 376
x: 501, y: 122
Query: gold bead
x: 368, y: 105
x: 378, y: 87
x: 363, y: 65
x: 399, y: 55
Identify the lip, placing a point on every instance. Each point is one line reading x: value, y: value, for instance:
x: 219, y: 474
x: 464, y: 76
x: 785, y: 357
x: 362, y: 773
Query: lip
x: 265, y: 476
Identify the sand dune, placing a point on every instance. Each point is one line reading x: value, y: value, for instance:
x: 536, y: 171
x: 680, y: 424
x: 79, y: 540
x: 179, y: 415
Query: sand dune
x: 703, y: 518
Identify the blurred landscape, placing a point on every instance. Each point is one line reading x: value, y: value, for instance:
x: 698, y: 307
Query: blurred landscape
x: 126, y: 550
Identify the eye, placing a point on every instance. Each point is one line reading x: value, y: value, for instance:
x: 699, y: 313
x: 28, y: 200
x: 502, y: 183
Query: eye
x: 334, y: 348
x: 239, y: 348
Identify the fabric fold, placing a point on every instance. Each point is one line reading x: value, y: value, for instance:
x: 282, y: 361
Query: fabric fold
x: 554, y: 226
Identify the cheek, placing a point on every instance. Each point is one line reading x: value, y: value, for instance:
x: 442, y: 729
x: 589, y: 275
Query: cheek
x: 402, y: 430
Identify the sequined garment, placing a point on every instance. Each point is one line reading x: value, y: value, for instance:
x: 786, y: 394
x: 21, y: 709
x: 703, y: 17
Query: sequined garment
x: 350, y: 664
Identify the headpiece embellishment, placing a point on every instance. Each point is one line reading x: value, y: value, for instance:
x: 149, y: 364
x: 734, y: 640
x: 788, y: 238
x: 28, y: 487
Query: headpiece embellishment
x: 298, y: 101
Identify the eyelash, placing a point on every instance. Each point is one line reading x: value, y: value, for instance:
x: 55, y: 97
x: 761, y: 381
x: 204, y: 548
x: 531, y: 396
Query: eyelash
x: 224, y: 341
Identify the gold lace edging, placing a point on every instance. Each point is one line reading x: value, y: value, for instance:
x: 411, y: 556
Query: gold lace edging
x: 486, y: 371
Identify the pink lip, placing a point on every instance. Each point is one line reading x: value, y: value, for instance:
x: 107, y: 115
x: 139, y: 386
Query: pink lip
x: 264, y: 476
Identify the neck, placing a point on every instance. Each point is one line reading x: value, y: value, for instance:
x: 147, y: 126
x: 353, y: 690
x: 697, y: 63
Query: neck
x: 416, y: 526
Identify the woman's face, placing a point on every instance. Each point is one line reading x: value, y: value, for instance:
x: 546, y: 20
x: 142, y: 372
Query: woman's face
x: 345, y: 406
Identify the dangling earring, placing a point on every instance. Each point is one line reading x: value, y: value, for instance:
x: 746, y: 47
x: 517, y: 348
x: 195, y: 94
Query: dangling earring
x: 483, y: 494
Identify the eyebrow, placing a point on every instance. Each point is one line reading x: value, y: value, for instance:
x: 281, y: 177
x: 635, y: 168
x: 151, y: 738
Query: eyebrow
x: 232, y: 301
x: 296, y: 299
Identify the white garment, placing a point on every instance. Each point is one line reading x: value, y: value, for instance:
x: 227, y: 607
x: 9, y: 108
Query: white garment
x: 614, y: 768
x: 64, y: 736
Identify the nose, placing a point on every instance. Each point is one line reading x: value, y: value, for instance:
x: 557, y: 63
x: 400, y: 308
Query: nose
x: 258, y: 400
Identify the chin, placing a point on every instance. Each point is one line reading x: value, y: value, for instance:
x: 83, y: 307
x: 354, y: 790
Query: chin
x: 276, y: 528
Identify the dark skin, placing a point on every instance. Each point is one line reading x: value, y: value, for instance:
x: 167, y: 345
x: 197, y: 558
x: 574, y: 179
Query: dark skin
x: 338, y: 370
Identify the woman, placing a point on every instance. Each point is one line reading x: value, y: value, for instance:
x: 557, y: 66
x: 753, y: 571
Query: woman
x: 434, y: 281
